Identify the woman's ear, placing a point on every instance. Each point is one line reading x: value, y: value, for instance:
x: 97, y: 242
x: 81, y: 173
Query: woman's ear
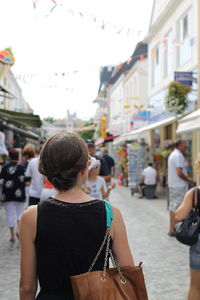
x: 83, y: 172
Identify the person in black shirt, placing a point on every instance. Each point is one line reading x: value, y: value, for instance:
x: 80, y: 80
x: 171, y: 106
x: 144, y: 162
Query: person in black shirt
x: 104, y: 169
x: 110, y: 162
x: 13, y: 191
x: 61, y: 235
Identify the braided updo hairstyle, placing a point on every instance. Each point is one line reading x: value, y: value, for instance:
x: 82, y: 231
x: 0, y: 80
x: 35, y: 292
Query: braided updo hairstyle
x: 62, y: 158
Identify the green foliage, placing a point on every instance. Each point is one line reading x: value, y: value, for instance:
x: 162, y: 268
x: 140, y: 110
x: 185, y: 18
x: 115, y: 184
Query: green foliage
x: 86, y: 134
x: 177, y: 97
x: 49, y: 120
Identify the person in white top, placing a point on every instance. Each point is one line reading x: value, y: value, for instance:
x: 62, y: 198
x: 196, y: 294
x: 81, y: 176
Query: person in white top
x: 149, y: 177
x: 95, y: 185
x: 36, y: 183
x: 177, y: 180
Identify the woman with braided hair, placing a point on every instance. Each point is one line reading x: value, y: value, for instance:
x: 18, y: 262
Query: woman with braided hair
x: 61, y: 235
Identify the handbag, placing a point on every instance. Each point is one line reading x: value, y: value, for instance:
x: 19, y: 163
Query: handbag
x: 187, y: 231
x: 126, y: 283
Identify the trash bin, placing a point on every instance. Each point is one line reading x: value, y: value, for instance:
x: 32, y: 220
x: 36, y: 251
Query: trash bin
x: 149, y: 191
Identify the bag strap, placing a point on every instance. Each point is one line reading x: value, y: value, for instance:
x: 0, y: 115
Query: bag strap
x: 106, y: 240
x: 195, y: 200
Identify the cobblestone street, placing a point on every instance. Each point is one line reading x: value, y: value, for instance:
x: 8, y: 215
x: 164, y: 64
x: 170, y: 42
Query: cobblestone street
x: 165, y: 260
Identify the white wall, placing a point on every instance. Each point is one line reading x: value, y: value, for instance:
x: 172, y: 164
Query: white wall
x: 18, y: 103
x: 116, y: 96
x: 157, y: 36
x: 132, y: 89
x: 135, y: 92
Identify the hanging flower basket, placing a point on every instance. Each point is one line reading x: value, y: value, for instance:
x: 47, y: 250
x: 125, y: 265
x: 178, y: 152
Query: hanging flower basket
x: 177, y: 97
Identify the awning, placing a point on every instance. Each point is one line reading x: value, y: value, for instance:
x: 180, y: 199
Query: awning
x: 106, y: 140
x: 99, y: 141
x: 18, y: 118
x: 23, y: 132
x: 189, y: 123
x: 4, y: 90
x: 137, y: 133
x: 110, y: 138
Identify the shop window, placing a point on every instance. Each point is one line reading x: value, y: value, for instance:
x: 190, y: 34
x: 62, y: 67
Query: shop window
x: 168, y: 54
x: 184, y: 34
x: 156, y: 70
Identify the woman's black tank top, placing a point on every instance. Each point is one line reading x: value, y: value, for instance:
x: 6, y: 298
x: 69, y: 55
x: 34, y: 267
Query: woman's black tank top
x: 67, y: 240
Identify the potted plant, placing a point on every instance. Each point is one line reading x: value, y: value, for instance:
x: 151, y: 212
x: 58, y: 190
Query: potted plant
x: 177, y: 97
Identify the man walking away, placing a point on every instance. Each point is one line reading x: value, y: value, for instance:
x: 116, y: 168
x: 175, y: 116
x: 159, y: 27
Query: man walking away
x: 104, y: 171
x: 177, y: 180
x: 110, y: 162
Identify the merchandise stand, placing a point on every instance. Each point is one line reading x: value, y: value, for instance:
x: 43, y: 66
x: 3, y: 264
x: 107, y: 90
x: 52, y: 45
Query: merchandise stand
x: 139, y: 155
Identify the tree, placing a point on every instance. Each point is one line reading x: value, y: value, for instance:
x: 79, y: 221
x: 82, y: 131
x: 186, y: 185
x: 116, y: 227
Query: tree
x: 49, y: 120
x: 86, y: 134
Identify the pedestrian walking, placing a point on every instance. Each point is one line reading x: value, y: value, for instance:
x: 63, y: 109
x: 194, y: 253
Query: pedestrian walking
x: 36, y: 181
x: 13, y: 192
x: 28, y: 153
x: 61, y: 236
x: 110, y: 162
x: 177, y: 180
x: 96, y: 185
x: 194, y: 254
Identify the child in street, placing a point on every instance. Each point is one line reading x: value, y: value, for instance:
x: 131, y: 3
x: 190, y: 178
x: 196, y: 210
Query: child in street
x: 95, y: 185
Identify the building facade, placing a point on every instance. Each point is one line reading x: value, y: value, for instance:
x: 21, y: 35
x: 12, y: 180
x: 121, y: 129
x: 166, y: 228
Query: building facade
x: 172, y: 47
x: 128, y: 93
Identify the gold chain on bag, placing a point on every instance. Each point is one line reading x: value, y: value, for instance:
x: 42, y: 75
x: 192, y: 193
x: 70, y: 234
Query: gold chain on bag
x: 106, y: 241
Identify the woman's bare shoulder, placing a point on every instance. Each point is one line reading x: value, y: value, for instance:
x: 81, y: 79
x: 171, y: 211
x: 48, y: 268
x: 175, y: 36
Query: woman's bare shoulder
x: 29, y: 215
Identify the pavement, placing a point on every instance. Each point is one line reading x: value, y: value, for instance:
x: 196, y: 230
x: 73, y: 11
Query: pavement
x: 165, y: 261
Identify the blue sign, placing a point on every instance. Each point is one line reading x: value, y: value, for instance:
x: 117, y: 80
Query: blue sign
x: 184, y: 77
x: 142, y: 116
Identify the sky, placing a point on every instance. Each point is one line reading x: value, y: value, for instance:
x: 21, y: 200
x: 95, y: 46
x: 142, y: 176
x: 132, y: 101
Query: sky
x: 59, y: 49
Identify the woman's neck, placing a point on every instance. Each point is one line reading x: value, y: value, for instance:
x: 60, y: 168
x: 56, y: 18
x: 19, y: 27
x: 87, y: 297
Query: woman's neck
x: 74, y: 195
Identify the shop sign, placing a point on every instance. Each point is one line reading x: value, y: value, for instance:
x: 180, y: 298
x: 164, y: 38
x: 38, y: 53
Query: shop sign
x: 103, y: 127
x: 184, y: 77
x: 142, y: 116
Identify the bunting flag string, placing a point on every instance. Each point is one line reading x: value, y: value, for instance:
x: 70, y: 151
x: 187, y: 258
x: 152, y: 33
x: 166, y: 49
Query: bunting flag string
x: 52, y: 75
x: 58, y: 79
x: 103, y: 24
x: 175, y: 43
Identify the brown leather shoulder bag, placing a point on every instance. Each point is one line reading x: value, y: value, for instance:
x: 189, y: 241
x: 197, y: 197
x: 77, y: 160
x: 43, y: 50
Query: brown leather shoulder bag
x: 126, y: 283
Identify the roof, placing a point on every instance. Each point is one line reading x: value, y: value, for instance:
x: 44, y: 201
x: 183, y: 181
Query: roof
x: 19, y: 118
x: 105, y: 76
x: 157, y: 10
x: 140, y: 51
